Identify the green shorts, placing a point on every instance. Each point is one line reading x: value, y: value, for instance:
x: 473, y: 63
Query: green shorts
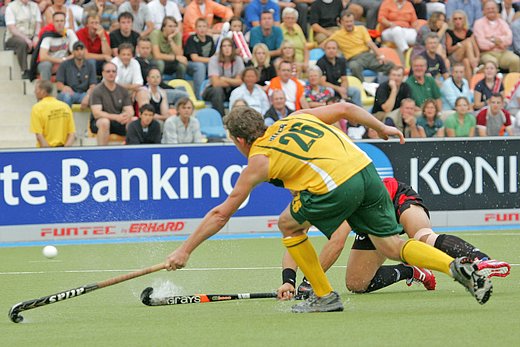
x: 362, y: 200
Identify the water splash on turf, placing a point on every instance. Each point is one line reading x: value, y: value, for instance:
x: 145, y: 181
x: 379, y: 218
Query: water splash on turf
x: 162, y: 288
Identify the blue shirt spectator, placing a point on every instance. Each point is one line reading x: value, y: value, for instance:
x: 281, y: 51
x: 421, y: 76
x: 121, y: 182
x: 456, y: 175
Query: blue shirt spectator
x: 454, y: 87
x: 472, y: 8
x: 254, y: 11
x: 515, y: 28
x: 273, y: 41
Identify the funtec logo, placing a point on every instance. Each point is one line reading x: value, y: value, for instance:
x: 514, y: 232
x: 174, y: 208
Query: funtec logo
x: 382, y: 163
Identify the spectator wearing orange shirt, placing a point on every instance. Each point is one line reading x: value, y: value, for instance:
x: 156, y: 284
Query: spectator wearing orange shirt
x: 399, y: 22
x: 208, y: 9
x: 292, y: 88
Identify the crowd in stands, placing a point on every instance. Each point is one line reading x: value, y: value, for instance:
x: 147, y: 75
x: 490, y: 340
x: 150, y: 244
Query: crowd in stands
x: 440, y: 67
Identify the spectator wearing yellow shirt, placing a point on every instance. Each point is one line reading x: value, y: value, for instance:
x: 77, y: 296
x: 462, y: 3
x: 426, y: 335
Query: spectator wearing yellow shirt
x: 51, y: 120
x: 293, y: 32
x: 357, y: 46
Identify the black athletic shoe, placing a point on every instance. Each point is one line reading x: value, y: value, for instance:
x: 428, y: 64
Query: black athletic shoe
x: 304, y: 290
x: 465, y: 271
x: 26, y: 75
x: 328, y: 303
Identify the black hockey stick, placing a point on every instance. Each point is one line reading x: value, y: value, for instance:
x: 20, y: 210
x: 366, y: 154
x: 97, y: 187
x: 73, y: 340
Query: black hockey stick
x: 198, y: 298
x: 14, y: 312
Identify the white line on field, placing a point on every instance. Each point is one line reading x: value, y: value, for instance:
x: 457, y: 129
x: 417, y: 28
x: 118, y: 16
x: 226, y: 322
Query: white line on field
x: 15, y: 273
x: 490, y: 234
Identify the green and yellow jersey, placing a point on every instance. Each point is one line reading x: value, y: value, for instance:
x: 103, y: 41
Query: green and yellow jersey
x: 307, y: 154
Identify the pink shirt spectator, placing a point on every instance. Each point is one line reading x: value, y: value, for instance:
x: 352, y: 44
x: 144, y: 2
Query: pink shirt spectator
x: 484, y: 29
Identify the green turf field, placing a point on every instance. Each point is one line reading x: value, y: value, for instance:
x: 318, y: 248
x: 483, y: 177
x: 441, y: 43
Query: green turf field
x: 114, y: 316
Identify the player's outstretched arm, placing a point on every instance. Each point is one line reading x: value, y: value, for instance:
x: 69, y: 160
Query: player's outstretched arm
x: 216, y: 219
x: 330, y: 114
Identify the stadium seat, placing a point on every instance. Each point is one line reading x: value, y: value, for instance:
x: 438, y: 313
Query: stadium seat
x: 203, y: 86
x: 370, y: 75
x: 368, y: 101
x: 177, y: 83
x: 509, y: 82
x: 82, y: 121
x: 475, y: 79
x: 408, y: 60
x: 316, y: 53
x: 391, y: 55
x: 211, y: 124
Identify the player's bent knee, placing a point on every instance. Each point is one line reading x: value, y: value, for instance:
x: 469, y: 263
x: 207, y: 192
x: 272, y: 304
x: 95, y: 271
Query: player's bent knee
x: 390, y: 246
x: 426, y: 235
x: 357, y: 285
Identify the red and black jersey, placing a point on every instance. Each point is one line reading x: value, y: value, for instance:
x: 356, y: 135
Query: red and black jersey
x: 402, y: 195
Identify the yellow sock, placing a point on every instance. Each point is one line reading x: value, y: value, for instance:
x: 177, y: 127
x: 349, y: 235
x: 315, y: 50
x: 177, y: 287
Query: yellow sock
x: 303, y: 253
x: 422, y: 255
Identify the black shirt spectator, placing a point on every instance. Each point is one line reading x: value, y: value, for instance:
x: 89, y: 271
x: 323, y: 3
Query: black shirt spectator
x: 435, y: 66
x: 136, y: 135
x: 326, y: 14
x: 146, y: 65
x: 383, y: 92
x: 333, y: 73
x: 117, y: 38
x: 195, y: 46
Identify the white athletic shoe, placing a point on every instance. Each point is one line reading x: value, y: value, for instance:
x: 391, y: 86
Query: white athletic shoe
x: 491, y: 267
x: 466, y: 273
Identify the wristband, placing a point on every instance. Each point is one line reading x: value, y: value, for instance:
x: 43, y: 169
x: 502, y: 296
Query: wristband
x: 289, y: 276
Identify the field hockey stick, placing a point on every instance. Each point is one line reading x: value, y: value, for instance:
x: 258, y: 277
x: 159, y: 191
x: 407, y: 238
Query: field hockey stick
x: 198, y: 298
x: 14, y: 312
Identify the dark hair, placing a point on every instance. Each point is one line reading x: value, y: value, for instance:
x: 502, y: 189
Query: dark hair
x: 457, y: 64
x: 105, y: 63
x: 497, y: 95
x: 236, y: 19
x: 59, y: 13
x: 333, y: 41
x: 434, y: 17
x: 397, y: 68
x: 250, y: 68
x: 346, y: 13
x: 284, y: 62
x: 153, y: 67
x: 126, y: 45
x: 430, y: 101
x: 143, y: 39
x: 126, y: 15
x: 233, y: 55
x: 246, y: 123
x: 146, y: 107
x: 461, y: 98
x: 201, y: 19
x: 91, y: 14
x: 166, y: 19
x: 183, y: 101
